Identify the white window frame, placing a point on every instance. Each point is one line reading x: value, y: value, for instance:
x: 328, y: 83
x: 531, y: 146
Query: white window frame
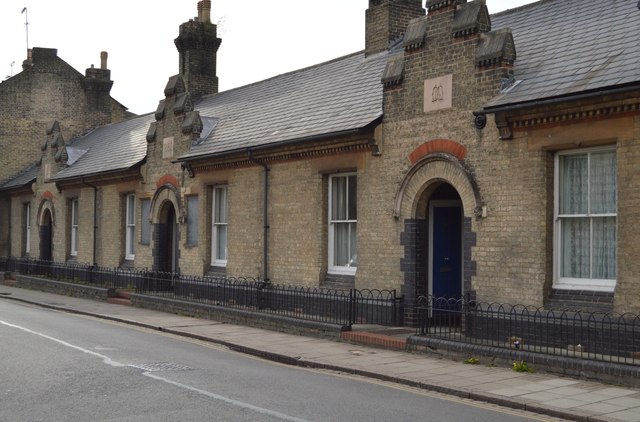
x: 130, y: 227
x: 216, y: 226
x: 74, y: 227
x: 27, y: 227
x: 332, y: 268
x: 570, y: 283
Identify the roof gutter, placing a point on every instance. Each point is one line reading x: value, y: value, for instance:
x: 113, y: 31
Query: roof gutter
x: 82, y: 178
x: 556, y: 100
x: 289, y: 142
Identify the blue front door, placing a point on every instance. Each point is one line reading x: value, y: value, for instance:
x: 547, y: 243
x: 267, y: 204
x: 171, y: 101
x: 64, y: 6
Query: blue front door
x: 447, y: 252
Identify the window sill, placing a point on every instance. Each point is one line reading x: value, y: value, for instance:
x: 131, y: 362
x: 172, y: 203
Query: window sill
x: 343, y: 271
x: 607, y: 286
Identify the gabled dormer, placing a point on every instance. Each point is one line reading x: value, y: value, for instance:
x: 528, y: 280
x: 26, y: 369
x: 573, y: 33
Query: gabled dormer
x: 54, y: 152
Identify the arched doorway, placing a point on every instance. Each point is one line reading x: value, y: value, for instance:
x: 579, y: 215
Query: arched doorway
x: 445, y: 252
x: 166, y: 245
x: 437, y: 203
x: 46, y: 236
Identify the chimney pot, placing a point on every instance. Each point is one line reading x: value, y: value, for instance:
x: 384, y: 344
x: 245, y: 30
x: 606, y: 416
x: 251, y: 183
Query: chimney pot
x: 204, y: 11
x: 103, y: 60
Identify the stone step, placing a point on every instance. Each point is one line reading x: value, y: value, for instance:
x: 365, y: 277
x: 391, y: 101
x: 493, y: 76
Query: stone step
x: 119, y: 301
x: 124, y: 294
x: 374, y: 339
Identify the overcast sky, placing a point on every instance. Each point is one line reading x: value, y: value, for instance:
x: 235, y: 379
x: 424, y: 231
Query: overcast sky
x: 260, y: 39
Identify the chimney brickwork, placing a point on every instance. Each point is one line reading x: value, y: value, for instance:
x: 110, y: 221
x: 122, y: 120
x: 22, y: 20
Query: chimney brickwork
x: 387, y: 20
x: 198, y: 45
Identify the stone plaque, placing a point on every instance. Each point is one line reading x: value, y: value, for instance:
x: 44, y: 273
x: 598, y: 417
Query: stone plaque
x: 438, y: 93
x: 167, y: 147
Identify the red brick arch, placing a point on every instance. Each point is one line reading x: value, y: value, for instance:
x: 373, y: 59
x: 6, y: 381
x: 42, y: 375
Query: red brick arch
x: 167, y: 179
x: 438, y: 145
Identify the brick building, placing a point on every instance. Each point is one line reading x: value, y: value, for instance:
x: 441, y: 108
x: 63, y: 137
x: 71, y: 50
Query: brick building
x: 458, y: 154
x: 46, y: 89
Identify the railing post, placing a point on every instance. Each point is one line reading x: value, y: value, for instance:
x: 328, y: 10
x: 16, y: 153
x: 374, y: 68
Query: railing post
x: 352, y: 306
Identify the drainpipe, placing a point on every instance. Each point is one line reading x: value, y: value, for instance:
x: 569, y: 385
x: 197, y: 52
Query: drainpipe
x: 95, y: 218
x: 265, y: 217
x: 10, y: 227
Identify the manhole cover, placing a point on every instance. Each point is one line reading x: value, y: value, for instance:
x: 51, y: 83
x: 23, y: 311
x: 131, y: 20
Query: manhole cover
x: 161, y: 366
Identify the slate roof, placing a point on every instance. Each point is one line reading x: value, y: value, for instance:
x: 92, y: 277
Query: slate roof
x: 565, y: 47
x: 111, y: 148
x: 332, y: 97
x: 25, y: 177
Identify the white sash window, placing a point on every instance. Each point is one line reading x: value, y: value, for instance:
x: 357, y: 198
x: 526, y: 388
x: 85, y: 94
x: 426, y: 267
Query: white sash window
x: 586, y: 215
x: 130, y: 228
x: 343, y: 222
x: 74, y: 227
x: 219, y: 216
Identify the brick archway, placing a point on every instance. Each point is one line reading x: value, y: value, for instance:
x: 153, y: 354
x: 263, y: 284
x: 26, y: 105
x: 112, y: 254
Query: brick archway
x: 165, y: 193
x: 435, y: 168
x: 430, y: 170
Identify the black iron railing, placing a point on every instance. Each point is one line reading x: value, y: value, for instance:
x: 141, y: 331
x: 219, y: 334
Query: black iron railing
x: 344, y: 307
x: 608, y: 337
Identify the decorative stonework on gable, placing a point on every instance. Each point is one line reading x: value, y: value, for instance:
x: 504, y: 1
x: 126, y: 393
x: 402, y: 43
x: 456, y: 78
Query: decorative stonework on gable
x: 393, y: 71
x: 182, y: 104
x: 54, y: 151
x: 192, y: 123
x: 471, y: 18
x: 174, y: 86
x: 159, y: 115
x: 151, y: 133
x: 416, y: 34
x: 438, y: 93
x: 496, y: 48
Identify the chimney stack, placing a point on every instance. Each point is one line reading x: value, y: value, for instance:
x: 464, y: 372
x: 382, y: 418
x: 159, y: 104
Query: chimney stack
x: 103, y: 60
x: 198, y: 45
x: 204, y: 11
x: 29, y: 61
x: 387, y: 20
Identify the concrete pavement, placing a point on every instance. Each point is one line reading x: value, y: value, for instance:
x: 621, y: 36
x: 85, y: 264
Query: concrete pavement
x: 551, y: 395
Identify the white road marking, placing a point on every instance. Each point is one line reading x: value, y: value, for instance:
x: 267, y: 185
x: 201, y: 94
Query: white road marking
x: 226, y: 399
x: 107, y: 360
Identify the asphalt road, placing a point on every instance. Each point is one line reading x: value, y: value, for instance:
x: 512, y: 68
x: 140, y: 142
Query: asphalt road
x: 62, y: 367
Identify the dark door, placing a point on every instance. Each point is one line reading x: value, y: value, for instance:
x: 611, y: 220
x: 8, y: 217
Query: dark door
x: 46, y: 237
x: 447, y: 252
x: 166, y: 241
